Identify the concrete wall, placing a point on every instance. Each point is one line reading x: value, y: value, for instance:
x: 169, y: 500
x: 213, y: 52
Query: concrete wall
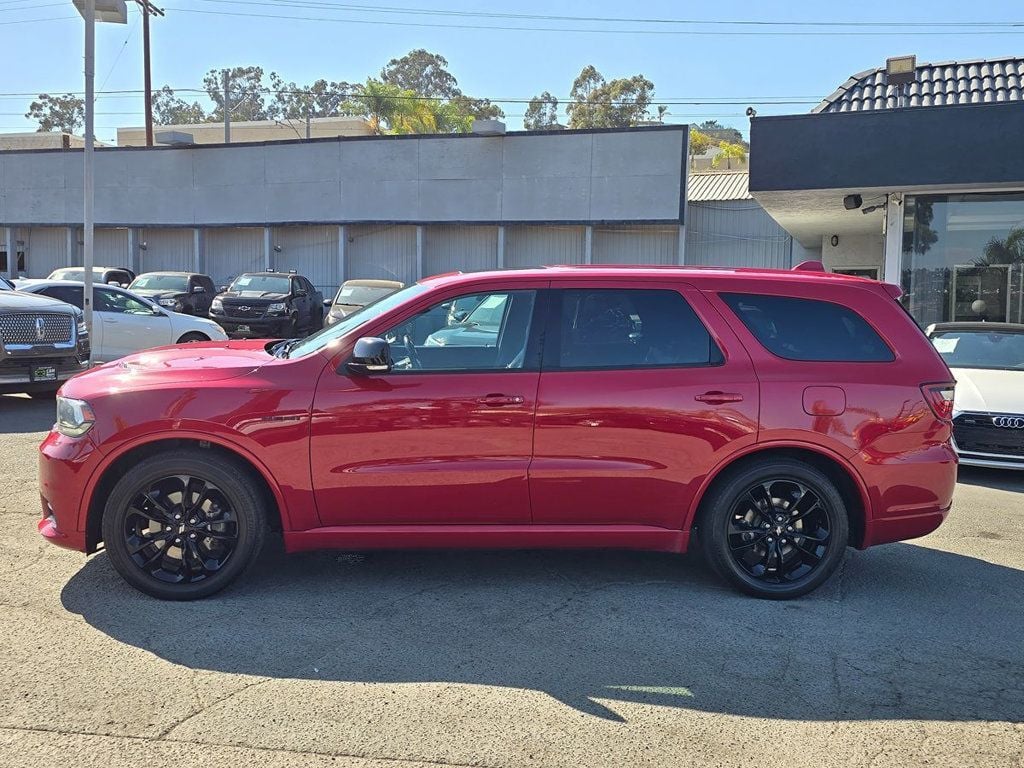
x: 581, y: 177
x: 852, y: 252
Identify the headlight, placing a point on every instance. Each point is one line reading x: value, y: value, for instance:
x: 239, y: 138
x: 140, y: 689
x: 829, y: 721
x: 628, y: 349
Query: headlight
x: 278, y: 307
x: 168, y: 302
x: 82, y: 330
x: 217, y: 303
x: 74, y: 417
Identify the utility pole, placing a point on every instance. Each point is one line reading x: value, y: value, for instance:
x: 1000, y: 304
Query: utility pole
x: 309, y: 128
x: 87, y: 181
x: 227, y: 106
x: 147, y: 9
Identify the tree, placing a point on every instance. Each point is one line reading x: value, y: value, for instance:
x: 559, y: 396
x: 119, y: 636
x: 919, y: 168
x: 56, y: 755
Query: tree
x: 542, y: 113
x: 729, y: 152
x: 321, y: 98
x: 389, y: 108
x: 247, y: 95
x: 699, y: 143
x: 58, y: 113
x: 423, y: 73
x: 168, y: 109
x: 1007, y: 251
x: 600, y: 103
x: 716, y: 130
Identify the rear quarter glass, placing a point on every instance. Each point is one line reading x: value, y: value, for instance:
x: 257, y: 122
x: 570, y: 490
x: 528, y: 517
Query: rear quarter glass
x: 886, y: 412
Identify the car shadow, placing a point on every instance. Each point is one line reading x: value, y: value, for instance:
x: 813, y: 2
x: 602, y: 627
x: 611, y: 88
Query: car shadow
x: 21, y: 415
x: 900, y: 632
x: 1000, y: 479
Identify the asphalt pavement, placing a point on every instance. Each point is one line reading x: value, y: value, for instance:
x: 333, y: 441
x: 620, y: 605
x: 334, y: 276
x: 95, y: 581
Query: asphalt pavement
x: 913, y: 654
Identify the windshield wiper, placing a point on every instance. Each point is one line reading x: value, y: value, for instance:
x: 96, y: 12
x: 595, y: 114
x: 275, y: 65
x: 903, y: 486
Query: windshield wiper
x: 282, y: 348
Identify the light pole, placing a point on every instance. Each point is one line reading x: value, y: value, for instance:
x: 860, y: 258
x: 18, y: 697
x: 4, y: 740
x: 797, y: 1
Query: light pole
x: 92, y: 11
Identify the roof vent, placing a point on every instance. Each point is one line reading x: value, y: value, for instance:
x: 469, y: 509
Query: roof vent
x: 488, y: 128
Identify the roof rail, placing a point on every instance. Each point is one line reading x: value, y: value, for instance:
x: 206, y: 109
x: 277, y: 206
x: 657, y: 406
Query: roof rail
x: 809, y: 266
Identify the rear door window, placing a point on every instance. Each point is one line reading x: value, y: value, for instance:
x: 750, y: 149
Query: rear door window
x: 601, y: 328
x: 808, y: 329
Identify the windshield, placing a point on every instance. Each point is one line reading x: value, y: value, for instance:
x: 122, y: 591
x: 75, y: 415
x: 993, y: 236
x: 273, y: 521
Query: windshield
x: 73, y: 274
x: 160, y: 283
x: 488, y: 313
x: 361, y: 295
x: 260, y: 284
x: 350, y: 323
x: 997, y: 350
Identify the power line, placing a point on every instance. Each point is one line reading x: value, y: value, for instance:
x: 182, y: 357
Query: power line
x: 618, y: 19
x: 913, y: 30
x: 117, y: 58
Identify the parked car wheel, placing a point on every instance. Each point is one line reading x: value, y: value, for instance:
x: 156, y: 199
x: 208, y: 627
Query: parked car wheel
x: 184, y: 524
x: 193, y: 336
x: 776, y: 529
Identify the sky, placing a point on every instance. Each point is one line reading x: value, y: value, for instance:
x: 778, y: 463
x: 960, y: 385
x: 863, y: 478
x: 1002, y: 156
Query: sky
x: 745, y: 64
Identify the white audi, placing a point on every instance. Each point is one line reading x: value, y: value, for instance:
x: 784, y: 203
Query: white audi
x: 987, y: 360
x: 124, y: 322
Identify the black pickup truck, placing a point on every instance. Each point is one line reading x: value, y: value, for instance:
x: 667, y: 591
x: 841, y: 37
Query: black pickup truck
x: 42, y: 343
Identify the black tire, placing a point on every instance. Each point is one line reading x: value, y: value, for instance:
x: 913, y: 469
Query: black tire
x: 140, y: 530
x: 192, y: 336
x: 776, y: 528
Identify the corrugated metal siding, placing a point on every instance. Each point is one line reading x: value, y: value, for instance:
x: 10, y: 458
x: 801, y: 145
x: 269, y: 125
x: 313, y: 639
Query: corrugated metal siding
x: 172, y: 250
x: 702, y: 187
x: 735, y: 234
x: 310, y: 251
x: 635, y: 245
x: 109, y: 247
x: 459, y: 248
x: 381, y: 252
x: 527, y: 246
x: 230, y: 251
x: 46, y: 249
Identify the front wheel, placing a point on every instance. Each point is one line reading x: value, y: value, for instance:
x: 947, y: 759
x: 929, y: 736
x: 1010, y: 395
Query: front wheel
x: 184, y: 524
x: 776, y: 529
x: 193, y: 336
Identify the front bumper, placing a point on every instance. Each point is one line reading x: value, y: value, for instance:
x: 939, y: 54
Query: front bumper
x: 259, y: 327
x: 65, y: 466
x: 16, y: 375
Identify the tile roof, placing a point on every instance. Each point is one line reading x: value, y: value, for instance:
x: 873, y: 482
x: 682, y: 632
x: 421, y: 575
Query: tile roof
x: 977, y: 81
x: 725, y: 185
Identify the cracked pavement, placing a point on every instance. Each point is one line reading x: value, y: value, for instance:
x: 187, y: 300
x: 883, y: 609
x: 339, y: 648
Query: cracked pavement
x: 910, y: 656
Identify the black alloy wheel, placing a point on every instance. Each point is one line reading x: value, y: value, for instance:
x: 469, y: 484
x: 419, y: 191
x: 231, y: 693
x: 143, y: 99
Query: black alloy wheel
x: 181, y: 529
x: 777, y: 529
x: 183, y: 524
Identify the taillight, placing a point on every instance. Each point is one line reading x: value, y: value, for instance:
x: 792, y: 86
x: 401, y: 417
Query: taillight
x: 940, y: 399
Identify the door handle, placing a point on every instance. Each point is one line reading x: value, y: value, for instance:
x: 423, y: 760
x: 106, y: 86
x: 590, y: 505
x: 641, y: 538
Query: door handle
x: 499, y: 399
x: 718, y: 398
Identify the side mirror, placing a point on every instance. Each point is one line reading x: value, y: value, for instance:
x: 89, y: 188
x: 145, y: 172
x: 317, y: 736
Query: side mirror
x: 222, y: 289
x: 300, y: 293
x: 114, y: 282
x: 371, y: 355
x: 461, y: 315
x: 198, y: 289
x: 328, y: 303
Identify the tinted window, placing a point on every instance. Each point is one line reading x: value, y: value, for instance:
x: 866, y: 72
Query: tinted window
x: 805, y: 329
x: 442, y: 338
x: 258, y: 285
x: 65, y: 293
x: 156, y: 281
x: 605, y: 328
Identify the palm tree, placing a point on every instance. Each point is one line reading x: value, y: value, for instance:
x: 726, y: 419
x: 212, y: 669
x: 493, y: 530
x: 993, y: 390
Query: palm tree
x: 729, y: 152
x: 1007, y: 251
x: 388, y: 108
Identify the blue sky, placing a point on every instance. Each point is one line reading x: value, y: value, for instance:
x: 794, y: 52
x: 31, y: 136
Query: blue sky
x: 46, y: 56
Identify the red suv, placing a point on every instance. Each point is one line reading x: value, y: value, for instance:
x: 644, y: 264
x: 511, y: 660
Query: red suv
x: 772, y: 417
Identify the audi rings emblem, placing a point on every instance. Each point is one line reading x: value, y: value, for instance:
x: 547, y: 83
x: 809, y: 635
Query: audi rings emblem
x: 1008, y: 422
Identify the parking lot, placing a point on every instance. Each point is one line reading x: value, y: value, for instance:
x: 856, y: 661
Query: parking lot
x: 911, y: 655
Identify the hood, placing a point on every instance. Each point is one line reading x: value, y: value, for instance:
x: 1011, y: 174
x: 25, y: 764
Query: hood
x: 17, y: 301
x: 254, y: 296
x: 179, y: 364
x: 989, y: 391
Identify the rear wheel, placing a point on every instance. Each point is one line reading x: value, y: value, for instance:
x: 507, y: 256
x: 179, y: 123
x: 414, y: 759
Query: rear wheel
x: 184, y: 524
x: 193, y: 336
x: 775, y: 529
